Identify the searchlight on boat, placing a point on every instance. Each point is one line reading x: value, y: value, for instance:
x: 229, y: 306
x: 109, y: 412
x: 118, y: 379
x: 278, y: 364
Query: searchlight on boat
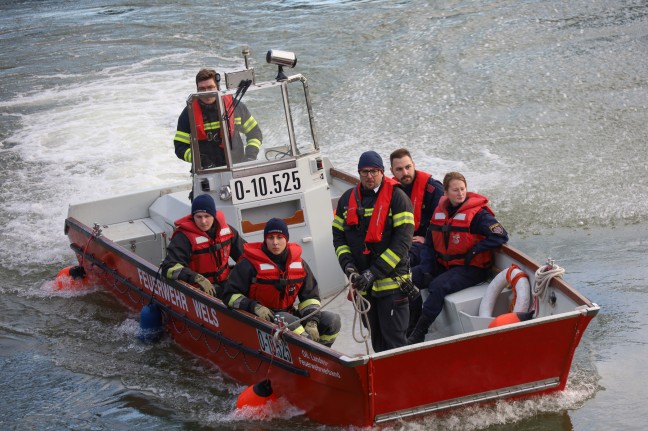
x: 281, y: 59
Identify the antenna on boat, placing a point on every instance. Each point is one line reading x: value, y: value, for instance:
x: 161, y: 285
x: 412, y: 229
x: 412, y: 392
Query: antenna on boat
x: 281, y: 59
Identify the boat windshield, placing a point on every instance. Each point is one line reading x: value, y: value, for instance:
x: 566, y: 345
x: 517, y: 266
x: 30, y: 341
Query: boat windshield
x: 276, y: 114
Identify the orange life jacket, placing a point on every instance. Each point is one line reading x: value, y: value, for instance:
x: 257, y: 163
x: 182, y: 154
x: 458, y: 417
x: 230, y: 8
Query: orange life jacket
x: 418, y: 193
x: 208, y: 256
x: 272, y: 287
x: 200, y: 121
x: 451, y: 235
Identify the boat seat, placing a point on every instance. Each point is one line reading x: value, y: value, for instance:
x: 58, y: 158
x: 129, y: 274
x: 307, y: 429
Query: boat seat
x: 461, y: 309
x: 168, y: 208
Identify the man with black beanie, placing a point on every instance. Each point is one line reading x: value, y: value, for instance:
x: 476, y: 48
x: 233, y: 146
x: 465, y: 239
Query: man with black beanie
x: 271, y: 276
x: 372, y: 234
x: 201, y: 246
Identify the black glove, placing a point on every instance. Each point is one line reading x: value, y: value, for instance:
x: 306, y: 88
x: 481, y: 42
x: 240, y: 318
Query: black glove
x: 350, y: 269
x: 364, y: 281
x: 352, y: 272
x: 249, y: 158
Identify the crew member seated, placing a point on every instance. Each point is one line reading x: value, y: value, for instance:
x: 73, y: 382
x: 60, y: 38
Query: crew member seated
x: 268, y: 279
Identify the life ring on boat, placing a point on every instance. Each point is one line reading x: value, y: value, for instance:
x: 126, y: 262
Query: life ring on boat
x: 518, y: 280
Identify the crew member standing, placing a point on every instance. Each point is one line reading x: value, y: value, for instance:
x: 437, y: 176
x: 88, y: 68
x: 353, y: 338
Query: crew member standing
x: 269, y: 278
x: 208, y: 127
x: 201, y: 246
x: 372, y: 234
x: 462, y: 236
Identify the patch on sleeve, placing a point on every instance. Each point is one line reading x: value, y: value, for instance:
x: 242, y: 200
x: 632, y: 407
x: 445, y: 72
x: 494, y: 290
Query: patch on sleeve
x: 497, y: 228
x: 429, y: 188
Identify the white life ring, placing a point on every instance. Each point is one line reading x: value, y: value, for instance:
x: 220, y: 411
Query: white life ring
x: 514, y: 277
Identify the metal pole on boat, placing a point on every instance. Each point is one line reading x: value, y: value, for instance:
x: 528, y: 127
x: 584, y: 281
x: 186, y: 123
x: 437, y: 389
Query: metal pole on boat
x: 246, y: 54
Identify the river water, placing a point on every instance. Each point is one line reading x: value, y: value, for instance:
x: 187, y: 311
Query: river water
x: 541, y: 104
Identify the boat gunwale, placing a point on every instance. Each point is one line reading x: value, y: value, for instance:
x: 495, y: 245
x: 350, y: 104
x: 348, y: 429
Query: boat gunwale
x: 194, y: 293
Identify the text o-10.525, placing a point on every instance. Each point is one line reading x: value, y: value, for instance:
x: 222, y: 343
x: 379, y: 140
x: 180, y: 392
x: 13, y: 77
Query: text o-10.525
x: 262, y: 186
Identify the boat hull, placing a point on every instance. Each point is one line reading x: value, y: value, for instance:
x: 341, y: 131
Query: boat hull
x: 532, y: 357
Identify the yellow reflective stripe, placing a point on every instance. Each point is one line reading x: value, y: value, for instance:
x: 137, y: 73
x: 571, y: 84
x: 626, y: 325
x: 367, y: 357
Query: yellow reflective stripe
x: 309, y: 302
x: 237, y: 121
x: 299, y: 330
x: 182, y: 137
x: 170, y: 271
x: 234, y: 298
x: 250, y: 124
x: 405, y: 217
x: 253, y: 143
x: 368, y: 212
x: 385, y: 284
x: 214, y: 125
x: 390, y: 257
x: 342, y: 249
x: 328, y: 338
x: 338, y: 223
x: 187, y: 155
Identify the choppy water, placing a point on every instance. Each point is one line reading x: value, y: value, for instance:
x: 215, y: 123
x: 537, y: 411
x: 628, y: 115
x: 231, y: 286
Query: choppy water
x: 541, y: 104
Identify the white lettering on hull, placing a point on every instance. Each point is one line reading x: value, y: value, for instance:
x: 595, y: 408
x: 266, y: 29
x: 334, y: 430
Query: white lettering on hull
x: 320, y: 364
x: 152, y: 284
x: 207, y: 314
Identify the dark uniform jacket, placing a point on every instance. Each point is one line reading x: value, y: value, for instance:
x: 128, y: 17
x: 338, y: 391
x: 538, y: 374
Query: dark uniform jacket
x: 211, y: 150
x: 388, y: 258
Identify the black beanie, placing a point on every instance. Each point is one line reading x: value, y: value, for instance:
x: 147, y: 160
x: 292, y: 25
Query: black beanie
x: 276, y: 225
x: 203, y: 203
x: 370, y: 159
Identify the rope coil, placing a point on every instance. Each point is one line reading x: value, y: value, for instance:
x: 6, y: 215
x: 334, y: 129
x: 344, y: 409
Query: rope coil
x: 543, y: 277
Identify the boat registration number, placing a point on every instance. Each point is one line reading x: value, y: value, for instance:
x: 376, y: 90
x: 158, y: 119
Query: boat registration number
x: 276, y: 348
x: 263, y: 186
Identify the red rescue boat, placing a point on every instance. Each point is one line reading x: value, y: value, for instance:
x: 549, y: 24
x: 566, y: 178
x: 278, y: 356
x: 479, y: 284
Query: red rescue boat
x: 120, y: 242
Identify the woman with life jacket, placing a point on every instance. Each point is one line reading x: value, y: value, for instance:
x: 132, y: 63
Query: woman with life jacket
x: 208, y: 127
x: 271, y: 276
x: 201, y: 246
x: 458, y: 254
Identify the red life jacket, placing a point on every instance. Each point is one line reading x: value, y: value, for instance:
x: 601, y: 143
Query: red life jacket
x: 271, y: 287
x: 380, y: 209
x: 200, y: 121
x: 451, y: 235
x: 208, y: 256
x: 418, y: 193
